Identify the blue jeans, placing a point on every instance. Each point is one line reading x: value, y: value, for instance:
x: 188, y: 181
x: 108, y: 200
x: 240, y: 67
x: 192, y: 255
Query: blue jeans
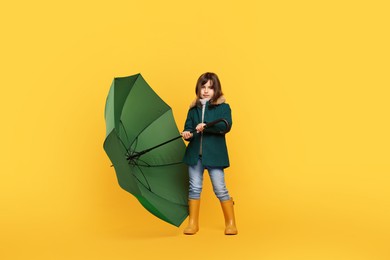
x: 217, y: 177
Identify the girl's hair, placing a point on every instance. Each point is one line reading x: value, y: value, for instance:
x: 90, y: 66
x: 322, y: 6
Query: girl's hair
x: 216, y: 84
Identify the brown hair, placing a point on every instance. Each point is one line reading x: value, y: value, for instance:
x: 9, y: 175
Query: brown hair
x: 216, y: 84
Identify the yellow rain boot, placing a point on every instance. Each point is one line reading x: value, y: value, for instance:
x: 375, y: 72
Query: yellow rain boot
x: 228, y: 212
x: 193, y: 221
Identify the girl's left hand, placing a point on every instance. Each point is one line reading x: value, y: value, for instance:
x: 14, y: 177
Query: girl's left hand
x: 200, y: 127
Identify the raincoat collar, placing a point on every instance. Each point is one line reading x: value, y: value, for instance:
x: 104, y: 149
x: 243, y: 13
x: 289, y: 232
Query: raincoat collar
x: 219, y: 101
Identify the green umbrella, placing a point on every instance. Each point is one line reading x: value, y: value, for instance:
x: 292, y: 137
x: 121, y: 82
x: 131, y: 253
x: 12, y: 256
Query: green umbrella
x: 138, y: 123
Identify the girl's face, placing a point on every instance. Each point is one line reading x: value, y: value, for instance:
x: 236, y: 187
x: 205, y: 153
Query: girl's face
x: 207, y: 90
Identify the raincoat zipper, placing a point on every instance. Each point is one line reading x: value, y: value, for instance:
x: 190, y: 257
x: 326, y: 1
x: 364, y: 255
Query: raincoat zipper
x: 203, y: 102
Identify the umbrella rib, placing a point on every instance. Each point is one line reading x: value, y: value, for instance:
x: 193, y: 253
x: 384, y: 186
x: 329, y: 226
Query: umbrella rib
x: 123, y: 144
x: 146, y: 164
x: 135, y: 147
x: 149, y: 188
x: 124, y: 129
x: 128, y: 152
x: 136, y: 138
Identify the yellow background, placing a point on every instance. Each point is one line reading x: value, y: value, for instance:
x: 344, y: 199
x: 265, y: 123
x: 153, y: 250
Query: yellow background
x: 308, y: 82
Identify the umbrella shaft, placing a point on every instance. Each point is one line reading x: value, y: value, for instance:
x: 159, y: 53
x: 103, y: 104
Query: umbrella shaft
x: 136, y: 155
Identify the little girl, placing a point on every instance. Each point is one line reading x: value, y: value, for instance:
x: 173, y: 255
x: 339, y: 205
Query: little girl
x: 207, y: 149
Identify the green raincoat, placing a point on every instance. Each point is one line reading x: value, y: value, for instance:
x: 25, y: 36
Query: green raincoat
x: 214, y: 150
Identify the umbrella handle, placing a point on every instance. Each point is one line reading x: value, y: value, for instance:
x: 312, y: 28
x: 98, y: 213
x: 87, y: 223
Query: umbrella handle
x: 216, y: 122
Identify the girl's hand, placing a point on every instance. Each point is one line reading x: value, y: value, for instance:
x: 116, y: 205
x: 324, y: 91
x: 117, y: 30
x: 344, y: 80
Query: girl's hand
x: 200, y: 127
x: 186, y: 134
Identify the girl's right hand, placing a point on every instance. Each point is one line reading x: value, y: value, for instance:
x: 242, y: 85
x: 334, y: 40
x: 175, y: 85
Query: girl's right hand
x: 186, y: 134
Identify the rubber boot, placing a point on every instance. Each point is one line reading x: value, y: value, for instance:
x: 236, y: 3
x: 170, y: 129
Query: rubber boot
x: 193, y: 221
x: 228, y: 212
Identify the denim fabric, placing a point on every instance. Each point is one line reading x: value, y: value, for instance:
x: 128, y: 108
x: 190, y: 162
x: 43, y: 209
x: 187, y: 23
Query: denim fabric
x: 217, y: 177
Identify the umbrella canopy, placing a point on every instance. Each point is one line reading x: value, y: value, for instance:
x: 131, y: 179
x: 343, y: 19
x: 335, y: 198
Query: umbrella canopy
x: 136, y: 120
